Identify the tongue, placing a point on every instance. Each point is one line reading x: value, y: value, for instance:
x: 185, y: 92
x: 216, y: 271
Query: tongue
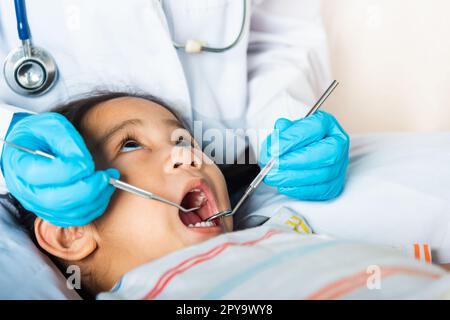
x: 189, y: 218
x: 190, y: 201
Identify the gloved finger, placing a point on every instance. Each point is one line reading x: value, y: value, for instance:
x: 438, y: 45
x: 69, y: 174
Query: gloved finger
x: 282, y: 124
x: 79, y: 216
x: 50, y: 132
x: 336, y: 128
x: 265, y: 154
x: 72, y: 162
x: 321, y: 192
x: 299, y: 178
x: 85, y: 214
x: 320, y: 154
x: 290, y: 135
x: 68, y: 197
x: 43, y: 172
x: 302, y: 133
x: 274, y: 142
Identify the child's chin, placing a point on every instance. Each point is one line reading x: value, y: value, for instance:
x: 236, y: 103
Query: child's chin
x: 198, y: 235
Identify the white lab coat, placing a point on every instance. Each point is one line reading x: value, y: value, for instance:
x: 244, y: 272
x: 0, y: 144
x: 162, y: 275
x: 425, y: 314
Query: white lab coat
x: 280, y: 66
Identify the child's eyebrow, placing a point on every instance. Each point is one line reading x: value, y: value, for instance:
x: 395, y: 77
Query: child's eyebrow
x: 117, y: 128
x: 173, y: 123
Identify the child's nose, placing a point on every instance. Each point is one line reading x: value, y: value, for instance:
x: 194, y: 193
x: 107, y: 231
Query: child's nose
x: 183, y: 157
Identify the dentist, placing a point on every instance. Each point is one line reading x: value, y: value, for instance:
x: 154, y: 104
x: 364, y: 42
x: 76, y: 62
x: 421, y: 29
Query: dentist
x: 255, y: 63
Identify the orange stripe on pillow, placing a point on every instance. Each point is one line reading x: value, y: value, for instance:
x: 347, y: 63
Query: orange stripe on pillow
x: 417, y: 251
x: 427, y: 253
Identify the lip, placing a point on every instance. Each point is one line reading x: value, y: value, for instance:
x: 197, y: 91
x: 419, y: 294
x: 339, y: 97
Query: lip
x: 211, y: 204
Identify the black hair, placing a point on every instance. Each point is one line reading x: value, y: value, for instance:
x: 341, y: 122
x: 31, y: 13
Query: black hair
x: 76, y: 109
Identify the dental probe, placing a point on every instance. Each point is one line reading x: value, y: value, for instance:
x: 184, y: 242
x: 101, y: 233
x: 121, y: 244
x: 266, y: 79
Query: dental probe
x: 114, y: 182
x: 36, y: 152
x: 264, y: 171
x: 146, y: 194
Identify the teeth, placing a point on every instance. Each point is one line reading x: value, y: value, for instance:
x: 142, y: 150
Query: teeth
x: 202, y: 224
x: 201, y: 199
x: 195, y: 190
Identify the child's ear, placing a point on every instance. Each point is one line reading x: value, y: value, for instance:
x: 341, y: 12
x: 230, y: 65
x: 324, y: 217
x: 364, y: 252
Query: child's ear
x: 70, y: 244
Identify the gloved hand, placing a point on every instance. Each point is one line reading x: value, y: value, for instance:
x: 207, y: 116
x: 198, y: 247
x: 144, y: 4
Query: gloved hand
x: 312, y: 157
x: 66, y: 191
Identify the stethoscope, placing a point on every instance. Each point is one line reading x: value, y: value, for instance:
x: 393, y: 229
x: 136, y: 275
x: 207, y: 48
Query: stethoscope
x: 198, y: 46
x: 28, y: 70
x: 31, y: 71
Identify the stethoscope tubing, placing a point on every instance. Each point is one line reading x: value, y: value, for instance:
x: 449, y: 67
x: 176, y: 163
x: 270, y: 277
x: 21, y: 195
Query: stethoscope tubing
x: 40, y: 58
x: 206, y: 48
x: 23, y: 29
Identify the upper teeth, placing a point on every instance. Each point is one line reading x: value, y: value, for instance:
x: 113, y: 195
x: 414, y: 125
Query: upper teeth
x: 202, y: 224
x: 200, y: 199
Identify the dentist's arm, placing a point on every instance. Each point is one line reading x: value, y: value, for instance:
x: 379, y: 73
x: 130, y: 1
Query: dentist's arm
x: 288, y: 63
x: 288, y: 71
x: 66, y: 191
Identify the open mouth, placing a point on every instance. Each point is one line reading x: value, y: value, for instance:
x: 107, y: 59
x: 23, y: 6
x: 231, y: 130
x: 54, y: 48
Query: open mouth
x: 200, y: 196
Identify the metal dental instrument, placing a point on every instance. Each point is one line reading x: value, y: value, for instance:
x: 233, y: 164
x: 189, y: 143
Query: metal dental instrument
x: 146, y: 194
x: 36, y: 152
x: 264, y: 171
x: 114, y: 182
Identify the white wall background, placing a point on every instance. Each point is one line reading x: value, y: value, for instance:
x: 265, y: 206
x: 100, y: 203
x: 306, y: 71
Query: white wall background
x: 392, y: 58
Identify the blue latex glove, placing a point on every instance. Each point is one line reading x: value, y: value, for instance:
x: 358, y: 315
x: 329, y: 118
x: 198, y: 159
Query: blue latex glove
x: 313, y: 156
x: 66, y: 191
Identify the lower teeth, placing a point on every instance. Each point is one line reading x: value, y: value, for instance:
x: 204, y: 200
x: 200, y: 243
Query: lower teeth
x: 202, y: 224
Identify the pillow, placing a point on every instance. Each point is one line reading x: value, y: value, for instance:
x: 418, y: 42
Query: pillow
x: 26, y: 273
x: 397, y: 193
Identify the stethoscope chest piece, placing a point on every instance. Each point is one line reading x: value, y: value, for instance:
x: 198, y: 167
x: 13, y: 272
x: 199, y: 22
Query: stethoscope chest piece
x: 30, y: 70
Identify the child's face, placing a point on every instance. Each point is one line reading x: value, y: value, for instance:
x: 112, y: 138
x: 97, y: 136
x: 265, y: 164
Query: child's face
x: 146, y: 144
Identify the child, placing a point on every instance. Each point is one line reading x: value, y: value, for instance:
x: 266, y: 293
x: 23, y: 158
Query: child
x: 151, y: 148
x: 146, y: 249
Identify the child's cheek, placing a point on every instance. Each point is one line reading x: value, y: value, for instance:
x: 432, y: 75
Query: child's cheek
x: 228, y: 223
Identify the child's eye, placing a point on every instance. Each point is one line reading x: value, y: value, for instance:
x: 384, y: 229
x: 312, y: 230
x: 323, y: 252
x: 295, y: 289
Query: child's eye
x: 130, y: 145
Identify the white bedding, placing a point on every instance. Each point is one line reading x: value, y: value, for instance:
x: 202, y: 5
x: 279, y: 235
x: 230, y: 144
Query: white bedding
x: 397, y: 193
x: 274, y: 262
x: 27, y: 273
